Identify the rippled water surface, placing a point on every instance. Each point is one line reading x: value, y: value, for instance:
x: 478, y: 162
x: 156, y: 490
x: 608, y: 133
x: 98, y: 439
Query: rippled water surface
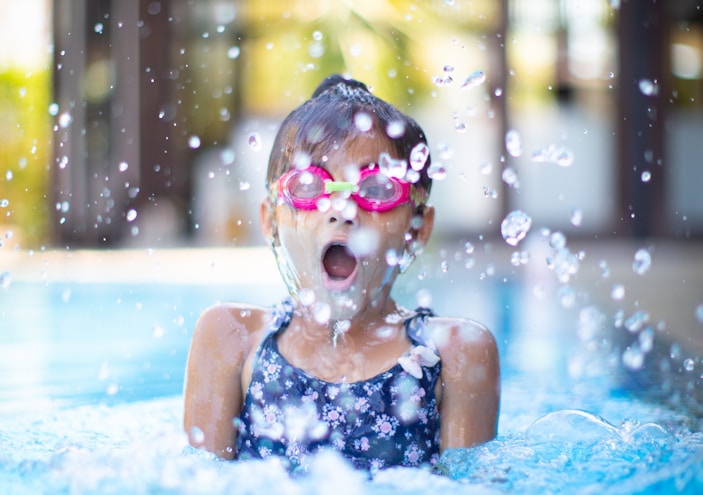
x: 90, y: 402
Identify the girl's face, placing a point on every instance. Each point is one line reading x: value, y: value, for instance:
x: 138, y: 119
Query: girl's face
x: 340, y: 260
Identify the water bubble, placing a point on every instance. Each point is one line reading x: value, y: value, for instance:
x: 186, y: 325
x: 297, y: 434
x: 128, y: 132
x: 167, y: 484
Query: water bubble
x: 54, y: 109
x: 395, y: 129
x: 604, y: 269
x: 642, y: 262
x: 515, y: 227
x: 317, y: 35
x: 648, y: 87
x: 513, y: 143
x: 254, y: 141
x: 131, y: 215
x: 646, y: 339
x: 233, y: 52
x: 689, y: 364
x: 557, y: 240
x: 194, y: 142
x: 99, y: 28
x: 476, y: 78
x: 519, y: 258
x: 617, y: 292
x: 459, y: 126
x: 4, y: 203
x: 646, y: 176
x: 123, y: 166
x: 469, y: 248
x: 5, y: 280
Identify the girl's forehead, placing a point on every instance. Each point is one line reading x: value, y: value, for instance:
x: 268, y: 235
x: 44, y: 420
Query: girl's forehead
x: 360, y: 151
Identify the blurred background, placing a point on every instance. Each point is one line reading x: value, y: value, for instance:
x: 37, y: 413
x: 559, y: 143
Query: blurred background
x: 149, y: 123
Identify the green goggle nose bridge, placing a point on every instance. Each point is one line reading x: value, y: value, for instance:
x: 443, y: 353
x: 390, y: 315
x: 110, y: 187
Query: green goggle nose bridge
x: 340, y: 186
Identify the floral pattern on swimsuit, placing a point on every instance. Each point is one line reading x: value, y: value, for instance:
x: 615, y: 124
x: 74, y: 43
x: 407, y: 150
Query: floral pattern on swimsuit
x: 389, y: 420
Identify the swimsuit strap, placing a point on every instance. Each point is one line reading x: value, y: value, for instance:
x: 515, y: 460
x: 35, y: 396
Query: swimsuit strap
x: 416, y: 327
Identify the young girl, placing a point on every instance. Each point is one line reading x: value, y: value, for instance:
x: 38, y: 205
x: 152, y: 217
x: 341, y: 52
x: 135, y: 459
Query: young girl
x: 339, y: 364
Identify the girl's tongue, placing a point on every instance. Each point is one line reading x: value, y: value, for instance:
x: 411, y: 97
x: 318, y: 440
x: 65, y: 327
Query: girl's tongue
x: 338, y: 262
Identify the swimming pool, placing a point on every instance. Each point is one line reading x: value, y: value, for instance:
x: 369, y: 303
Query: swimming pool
x: 91, y: 377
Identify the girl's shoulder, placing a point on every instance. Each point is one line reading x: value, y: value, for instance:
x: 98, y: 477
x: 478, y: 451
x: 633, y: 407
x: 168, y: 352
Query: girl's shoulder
x: 456, y: 335
x: 231, y: 329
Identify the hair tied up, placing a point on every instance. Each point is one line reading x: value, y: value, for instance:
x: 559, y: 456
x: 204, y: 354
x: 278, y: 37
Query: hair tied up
x: 340, y: 82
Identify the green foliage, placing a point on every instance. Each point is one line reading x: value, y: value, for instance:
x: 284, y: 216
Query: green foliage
x: 25, y: 148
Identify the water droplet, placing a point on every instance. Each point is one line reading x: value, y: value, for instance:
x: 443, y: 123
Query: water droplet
x: 633, y: 357
x: 392, y: 257
x: 54, y: 109
x: 469, y: 248
x: 316, y: 49
x: 363, y: 242
x: 642, y: 262
x: 509, y: 176
x: 99, y: 28
x: 317, y: 35
x: 5, y: 280
x: 194, y: 142
x: 557, y: 240
x: 321, y: 312
x: 513, y: 143
x: 4, y: 203
x: 123, y: 166
x: 254, y: 141
x: 392, y: 167
x: 567, y: 296
x: 244, y: 186
x: 689, y: 364
x: 699, y: 313
x: 617, y: 292
x: 576, y: 217
x: 646, y: 176
x: 459, y: 126
x: 131, y: 215
x: 515, y: 227
x: 65, y: 119
x: 636, y: 321
x: 423, y: 298
x: 419, y: 155
x: 485, y: 167
x: 395, y: 129
x: 233, y: 52
x: 363, y: 121
x: 648, y: 87
x: 476, y: 78
x: 436, y: 171
x: 306, y: 297
x: 197, y: 435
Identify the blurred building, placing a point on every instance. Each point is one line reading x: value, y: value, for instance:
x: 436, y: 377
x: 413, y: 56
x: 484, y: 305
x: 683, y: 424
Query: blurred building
x: 589, y: 117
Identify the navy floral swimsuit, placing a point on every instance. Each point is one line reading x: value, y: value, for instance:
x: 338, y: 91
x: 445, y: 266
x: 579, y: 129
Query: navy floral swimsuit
x: 389, y: 420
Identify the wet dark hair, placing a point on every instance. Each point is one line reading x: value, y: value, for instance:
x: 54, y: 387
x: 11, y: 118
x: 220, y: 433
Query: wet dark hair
x: 326, y: 120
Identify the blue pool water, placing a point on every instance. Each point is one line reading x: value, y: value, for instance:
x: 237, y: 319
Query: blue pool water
x: 90, y: 402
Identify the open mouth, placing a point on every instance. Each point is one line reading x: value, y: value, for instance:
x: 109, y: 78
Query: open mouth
x: 339, y: 265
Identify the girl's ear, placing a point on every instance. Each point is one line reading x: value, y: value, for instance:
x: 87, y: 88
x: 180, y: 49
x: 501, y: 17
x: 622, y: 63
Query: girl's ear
x: 423, y: 233
x: 266, y: 220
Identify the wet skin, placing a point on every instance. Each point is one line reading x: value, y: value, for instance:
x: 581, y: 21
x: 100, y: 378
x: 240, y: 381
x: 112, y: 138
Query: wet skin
x: 226, y: 336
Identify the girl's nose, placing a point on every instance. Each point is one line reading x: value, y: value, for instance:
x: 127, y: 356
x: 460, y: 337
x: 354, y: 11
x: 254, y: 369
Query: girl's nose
x: 342, y: 210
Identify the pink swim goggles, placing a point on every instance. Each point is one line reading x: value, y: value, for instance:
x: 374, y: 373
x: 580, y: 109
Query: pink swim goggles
x: 375, y: 191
